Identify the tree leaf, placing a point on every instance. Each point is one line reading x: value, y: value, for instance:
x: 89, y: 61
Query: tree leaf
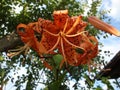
x: 57, y: 59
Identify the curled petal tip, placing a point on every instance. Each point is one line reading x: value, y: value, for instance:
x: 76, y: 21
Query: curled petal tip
x: 60, y: 12
x: 103, y: 26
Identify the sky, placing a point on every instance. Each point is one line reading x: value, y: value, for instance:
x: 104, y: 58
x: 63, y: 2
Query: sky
x: 114, y: 6
x: 112, y: 42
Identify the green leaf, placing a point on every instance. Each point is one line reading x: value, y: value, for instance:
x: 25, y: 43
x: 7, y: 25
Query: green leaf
x: 46, y: 88
x: 1, y: 58
x: 55, y: 85
x: 5, y: 81
x: 57, y: 59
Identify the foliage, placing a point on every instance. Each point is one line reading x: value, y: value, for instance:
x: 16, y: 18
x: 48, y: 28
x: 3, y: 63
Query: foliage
x: 34, y: 72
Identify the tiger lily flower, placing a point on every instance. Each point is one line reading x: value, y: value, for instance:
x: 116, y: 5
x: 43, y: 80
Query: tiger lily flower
x: 65, y: 34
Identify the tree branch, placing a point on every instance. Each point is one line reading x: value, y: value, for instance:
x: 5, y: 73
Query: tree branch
x: 10, y: 42
x: 112, y: 69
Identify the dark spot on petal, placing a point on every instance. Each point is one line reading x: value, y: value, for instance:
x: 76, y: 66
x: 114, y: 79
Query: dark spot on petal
x: 80, y: 51
x: 22, y: 29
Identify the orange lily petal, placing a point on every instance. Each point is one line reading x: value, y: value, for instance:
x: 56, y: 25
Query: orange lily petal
x: 66, y: 34
x: 103, y: 26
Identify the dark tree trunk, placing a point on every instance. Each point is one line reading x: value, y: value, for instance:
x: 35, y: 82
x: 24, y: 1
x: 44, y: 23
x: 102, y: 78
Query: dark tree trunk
x: 10, y: 42
x: 112, y: 69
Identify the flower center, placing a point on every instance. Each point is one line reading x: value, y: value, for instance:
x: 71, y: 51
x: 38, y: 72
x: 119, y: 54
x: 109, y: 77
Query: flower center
x: 61, y: 34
